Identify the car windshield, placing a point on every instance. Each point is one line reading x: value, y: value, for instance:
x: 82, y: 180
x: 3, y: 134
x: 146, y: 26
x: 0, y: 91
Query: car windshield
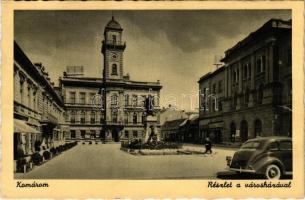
x: 251, y: 145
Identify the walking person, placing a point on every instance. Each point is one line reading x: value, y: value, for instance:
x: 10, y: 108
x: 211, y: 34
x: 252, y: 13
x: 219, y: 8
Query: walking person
x: 208, y: 146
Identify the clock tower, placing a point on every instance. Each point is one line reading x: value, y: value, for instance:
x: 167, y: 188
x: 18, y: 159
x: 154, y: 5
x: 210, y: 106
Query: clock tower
x: 112, y: 50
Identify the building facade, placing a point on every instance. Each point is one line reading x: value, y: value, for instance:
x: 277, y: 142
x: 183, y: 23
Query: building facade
x: 110, y: 108
x: 38, y: 109
x: 257, y: 97
x: 212, y: 90
x: 181, y: 130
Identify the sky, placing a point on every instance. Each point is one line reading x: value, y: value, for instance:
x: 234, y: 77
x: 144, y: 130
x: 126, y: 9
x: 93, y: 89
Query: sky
x: 176, y: 47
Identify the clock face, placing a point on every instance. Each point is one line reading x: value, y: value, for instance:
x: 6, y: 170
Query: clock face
x: 114, y: 56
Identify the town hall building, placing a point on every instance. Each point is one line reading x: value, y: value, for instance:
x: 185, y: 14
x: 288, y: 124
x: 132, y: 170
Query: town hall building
x: 110, y: 107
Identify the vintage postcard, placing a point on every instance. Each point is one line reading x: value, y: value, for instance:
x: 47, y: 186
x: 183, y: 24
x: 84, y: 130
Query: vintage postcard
x: 152, y: 100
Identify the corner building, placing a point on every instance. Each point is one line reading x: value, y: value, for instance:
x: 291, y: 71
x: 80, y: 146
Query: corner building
x: 118, y: 114
x: 257, y: 100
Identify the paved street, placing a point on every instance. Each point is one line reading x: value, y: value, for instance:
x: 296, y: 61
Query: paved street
x: 107, y: 161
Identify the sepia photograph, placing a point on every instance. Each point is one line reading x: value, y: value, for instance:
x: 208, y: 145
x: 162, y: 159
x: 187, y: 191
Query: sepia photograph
x: 153, y: 94
x: 140, y: 100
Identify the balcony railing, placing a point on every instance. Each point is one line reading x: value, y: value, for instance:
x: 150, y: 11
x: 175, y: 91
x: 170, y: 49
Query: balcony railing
x: 48, y: 117
x: 23, y: 110
x: 114, y: 123
x: 114, y: 42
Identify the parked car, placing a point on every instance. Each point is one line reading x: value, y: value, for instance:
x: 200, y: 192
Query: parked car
x: 270, y: 156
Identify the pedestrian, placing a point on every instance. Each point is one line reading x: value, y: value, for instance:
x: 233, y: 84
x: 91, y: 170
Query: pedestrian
x: 208, y: 146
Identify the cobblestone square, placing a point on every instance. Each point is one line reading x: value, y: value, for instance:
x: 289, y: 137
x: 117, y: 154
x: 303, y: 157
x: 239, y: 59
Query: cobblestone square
x: 107, y: 161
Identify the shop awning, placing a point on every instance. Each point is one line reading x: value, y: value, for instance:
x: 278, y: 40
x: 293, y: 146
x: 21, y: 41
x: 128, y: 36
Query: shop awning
x: 21, y: 127
x: 216, y: 125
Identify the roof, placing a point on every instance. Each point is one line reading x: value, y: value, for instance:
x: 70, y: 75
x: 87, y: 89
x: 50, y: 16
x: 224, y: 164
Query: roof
x: 268, y: 26
x: 211, y: 74
x: 113, y: 24
x: 97, y: 82
x: 173, y: 124
x: 36, y: 71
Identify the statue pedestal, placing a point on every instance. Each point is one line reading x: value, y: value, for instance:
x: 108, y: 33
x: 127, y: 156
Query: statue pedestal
x: 151, y: 123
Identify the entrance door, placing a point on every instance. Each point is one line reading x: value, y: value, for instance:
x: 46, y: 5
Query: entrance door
x: 233, y: 131
x: 115, y: 135
x: 244, y: 130
x: 102, y: 135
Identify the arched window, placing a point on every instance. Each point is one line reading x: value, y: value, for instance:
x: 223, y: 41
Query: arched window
x: 258, y: 128
x: 114, y: 70
x: 83, y: 117
x: 135, y: 118
x: 92, y: 117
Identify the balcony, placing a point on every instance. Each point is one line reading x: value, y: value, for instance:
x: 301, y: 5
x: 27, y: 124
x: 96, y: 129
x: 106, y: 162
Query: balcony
x: 114, y: 123
x: 113, y: 45
x: 49, y: 118
x: 25, y: 111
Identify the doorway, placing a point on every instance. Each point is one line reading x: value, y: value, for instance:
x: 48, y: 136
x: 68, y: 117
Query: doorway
x: 115, y: 135
x: 244, y: 130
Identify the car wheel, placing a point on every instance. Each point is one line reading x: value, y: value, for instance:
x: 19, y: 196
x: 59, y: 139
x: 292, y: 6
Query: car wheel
x: 273, y: 172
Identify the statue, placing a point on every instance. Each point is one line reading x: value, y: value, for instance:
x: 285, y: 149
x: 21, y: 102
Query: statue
x: 150, y: 121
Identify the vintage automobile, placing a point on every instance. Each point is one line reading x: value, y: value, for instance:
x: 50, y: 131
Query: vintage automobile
x: 270, y: 156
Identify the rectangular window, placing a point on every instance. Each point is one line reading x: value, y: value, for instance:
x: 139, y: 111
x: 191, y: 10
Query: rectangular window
x: 126, y: 118
x: 83, y: 133
x: 249, y: 69
x: 264, y: 63
x: 72, y: 119
x: 72, y: 97
x: 92, y: 134
x: 214, y: 88
x: 134, y: 100
x: 83, y: 117
x: 220, y: 86
x: 114, y: 39
x: 126, y: 100
x: 101, y: 117
x: 142, y: 100
x: 126, y: 134
x: 135, y: 134
x: 92, y: 117
x: 245, y: 68
x: 73, y: 135
x: 82, y: 97
x: 114, y: 116
x: 91, y: 100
